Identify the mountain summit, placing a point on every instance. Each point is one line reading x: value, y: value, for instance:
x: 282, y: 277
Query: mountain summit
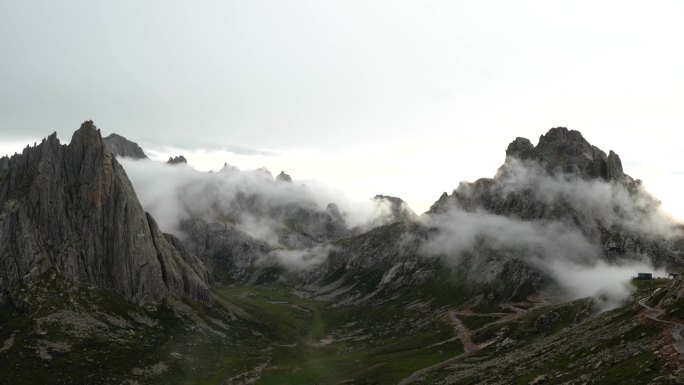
x: 566, y: 151
x: 505, y: 280
x: 71, y: 210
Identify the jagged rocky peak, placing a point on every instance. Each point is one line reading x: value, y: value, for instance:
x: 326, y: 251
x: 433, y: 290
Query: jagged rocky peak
x: 563, y: 151
x: 282, y: 177
x: 122, y: 147
x: 177, y: 160
x: 519, y: 148
x: 394, y: 209
x: 559, y: 152
x: 72, y: 210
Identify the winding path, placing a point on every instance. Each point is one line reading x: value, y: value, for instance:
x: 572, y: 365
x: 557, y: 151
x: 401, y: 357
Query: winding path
x: 676, y: 332
x: 463, y: 334
x: 469, y: 348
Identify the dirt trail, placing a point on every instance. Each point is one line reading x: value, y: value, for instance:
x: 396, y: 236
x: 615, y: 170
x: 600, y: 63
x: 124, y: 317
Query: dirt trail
x: 463, y: 334
x: 676, y: 332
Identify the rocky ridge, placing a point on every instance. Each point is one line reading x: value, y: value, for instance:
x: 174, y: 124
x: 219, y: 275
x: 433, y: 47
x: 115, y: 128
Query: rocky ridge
x: 177, y: 160
x: 71, y: 209
x: 564, y: 151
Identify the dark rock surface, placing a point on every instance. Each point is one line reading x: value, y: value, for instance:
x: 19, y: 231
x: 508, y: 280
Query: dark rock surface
x: 564, y: 151
x: 282, y: 177
x: 122, y: 147
x: 71, y: 208
x: 230, y: 253
x: 177, y: 160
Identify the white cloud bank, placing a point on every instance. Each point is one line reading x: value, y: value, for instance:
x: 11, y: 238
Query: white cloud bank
x: 252, y: 200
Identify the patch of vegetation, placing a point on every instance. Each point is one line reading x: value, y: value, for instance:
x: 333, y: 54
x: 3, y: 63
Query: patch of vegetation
x: 246, y: 333
x: 648, y: 285
x: 637, y: 332
x: 539, y: 322
x: 474, y: 322
x: 320, y: 344
x: 676, y: 309
x: 638, y: 369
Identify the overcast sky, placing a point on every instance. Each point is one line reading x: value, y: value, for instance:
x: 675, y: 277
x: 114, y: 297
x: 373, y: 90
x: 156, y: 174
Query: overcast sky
x: 392, y: 97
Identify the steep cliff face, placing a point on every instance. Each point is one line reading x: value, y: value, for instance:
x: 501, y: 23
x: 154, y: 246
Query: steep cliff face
x: 122, y: 147
x: 71, y: 208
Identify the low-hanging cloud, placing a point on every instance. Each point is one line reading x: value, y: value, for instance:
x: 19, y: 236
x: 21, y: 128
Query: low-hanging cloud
x: 303, y: 259
x: 251, y: 200
x: 563, y: 252
x: 611, y: 203
x: 568, y: 250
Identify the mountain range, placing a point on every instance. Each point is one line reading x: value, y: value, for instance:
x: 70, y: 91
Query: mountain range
x: 117, y: 269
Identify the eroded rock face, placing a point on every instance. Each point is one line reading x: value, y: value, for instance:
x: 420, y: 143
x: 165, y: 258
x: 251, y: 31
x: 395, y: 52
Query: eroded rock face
x: 71, y: 208
x: 122, y: 147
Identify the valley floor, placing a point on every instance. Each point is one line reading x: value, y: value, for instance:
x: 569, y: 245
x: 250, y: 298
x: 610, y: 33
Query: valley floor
x: 265, y: 335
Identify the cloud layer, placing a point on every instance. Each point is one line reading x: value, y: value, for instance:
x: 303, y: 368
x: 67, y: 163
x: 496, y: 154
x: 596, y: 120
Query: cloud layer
x: 252, y: 200
x: 563, y: 240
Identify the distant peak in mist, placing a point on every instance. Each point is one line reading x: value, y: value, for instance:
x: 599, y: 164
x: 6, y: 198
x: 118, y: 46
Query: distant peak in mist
x: 282, y: 177
x: 177, y: 160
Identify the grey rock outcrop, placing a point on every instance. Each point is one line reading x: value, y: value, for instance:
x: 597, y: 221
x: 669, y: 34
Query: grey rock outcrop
x: 282, y: 177
x: 122, y: 147
x: 71, y: 209
x: 520, y: 148
x: 177, y: 160
x: 230, y: 253
x: 564, y: 151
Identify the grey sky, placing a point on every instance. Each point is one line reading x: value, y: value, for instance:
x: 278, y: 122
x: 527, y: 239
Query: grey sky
x: 393, y: 97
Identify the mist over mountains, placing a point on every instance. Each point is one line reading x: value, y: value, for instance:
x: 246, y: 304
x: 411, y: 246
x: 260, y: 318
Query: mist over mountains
x: 558, y: 220
x: 564, y: 208
x: 557, y: 211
